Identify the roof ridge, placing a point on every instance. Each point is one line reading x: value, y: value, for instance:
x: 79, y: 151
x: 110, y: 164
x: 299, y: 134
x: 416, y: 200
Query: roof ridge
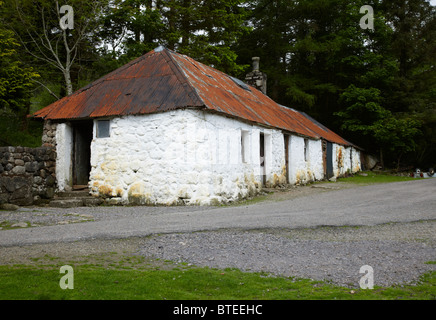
x: 181, y: 76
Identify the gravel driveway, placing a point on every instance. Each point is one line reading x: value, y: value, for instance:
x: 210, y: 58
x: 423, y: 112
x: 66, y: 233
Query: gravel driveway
x: 277, y: 237
x: 397, y: 252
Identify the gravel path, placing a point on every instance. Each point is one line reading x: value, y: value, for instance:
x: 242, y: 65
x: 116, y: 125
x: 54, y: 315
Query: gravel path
x: 397, y: 252
x: 46, y: 216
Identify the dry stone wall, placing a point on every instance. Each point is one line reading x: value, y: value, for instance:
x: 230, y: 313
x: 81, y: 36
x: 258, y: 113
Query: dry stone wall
x: 27, y: 174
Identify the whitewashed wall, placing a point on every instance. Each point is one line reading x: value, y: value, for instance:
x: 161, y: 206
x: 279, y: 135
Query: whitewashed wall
x: 64, y: 147
x: 345, y: 160
x: 356, y: 163
x: 303, y: 170
x: 183, y: 156
x: 193, y: 157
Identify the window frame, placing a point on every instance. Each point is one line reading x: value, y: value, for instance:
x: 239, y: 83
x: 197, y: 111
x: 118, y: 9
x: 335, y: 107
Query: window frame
x: 98, y: 132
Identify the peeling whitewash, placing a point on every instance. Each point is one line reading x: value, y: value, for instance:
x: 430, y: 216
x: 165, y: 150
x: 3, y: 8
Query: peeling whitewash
x: 305, y: 167
x: 345, y: 160
x: 64, y: 149
x: 193, y: 157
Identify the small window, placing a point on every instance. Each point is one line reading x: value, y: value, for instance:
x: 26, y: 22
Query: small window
x: 103, y: 128
x: 306, y: 149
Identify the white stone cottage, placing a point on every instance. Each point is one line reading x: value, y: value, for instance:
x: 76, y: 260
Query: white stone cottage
x: 166, y: 129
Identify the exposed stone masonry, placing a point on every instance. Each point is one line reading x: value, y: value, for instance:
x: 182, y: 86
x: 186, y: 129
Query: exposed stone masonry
x: 27, y: 174
x: 49, y: 134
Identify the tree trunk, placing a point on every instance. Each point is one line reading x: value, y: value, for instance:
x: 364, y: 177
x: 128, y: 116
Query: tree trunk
x: 398, y: 161
x: 381, y: 159
x: 68, y: 83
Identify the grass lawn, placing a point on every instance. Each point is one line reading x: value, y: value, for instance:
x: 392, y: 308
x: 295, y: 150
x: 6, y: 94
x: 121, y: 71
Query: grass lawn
x: 370, y: 177
x: 42, y: 282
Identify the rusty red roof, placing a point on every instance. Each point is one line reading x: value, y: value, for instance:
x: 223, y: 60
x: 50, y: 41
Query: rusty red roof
x: 164, y: 80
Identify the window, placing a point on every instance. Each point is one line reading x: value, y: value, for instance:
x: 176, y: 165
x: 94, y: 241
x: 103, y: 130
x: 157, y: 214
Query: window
x: 103, y: 128
x: 306, y: 149
x: 244, y: 146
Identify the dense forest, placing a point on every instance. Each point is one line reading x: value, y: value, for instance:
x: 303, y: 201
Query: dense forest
x: 375, y: 86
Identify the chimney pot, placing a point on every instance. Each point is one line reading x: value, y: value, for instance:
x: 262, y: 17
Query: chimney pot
x: 255, y: 63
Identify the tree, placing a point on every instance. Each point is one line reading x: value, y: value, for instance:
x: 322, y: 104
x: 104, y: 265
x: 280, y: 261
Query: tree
x: 37, y: 25
x: 204, y: 30
x: 413, y: 45
x: 273, y: 35
x: 207, y: 31
x: 130, y: 28
x: 376, y: 125
x: 398, y: 135
x: 319, y: 60
x: 15, y: 79
x: 308, y: 49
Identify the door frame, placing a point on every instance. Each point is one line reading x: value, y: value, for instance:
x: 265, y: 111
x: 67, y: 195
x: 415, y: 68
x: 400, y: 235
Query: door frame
x: 329, y: 160
x: 81, y: 153
x: 287, y: 139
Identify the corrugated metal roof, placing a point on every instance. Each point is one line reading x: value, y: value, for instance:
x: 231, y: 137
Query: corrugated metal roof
x: 164, y: 80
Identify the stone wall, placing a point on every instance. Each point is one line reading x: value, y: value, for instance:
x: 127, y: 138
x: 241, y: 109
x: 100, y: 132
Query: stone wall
x: 27, y: 174
x: 49, y: 134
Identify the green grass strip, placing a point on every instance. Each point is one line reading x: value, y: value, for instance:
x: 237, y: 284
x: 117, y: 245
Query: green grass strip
x: 94, y: 283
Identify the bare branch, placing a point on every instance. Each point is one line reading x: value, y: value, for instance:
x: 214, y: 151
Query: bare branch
x: 45, y: 58
x: 74, y: 57
x: 49, y: 91
x: 49, y: 42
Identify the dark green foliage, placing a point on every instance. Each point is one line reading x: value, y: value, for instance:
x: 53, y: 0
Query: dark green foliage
x: 319, y: 60
x: 15, y: 82
x: 204, y: 30
x: 15, y: 79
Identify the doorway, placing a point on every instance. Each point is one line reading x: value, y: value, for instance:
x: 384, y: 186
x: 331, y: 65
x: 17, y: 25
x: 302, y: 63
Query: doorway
x: 82, y: 137
x: 329, y: 160
x: 286, y: 136
x: 262, y: 158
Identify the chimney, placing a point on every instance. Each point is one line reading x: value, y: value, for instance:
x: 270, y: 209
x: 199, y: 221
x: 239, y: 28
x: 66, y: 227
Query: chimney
x: 255, y: 63
x: 256, y: 78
